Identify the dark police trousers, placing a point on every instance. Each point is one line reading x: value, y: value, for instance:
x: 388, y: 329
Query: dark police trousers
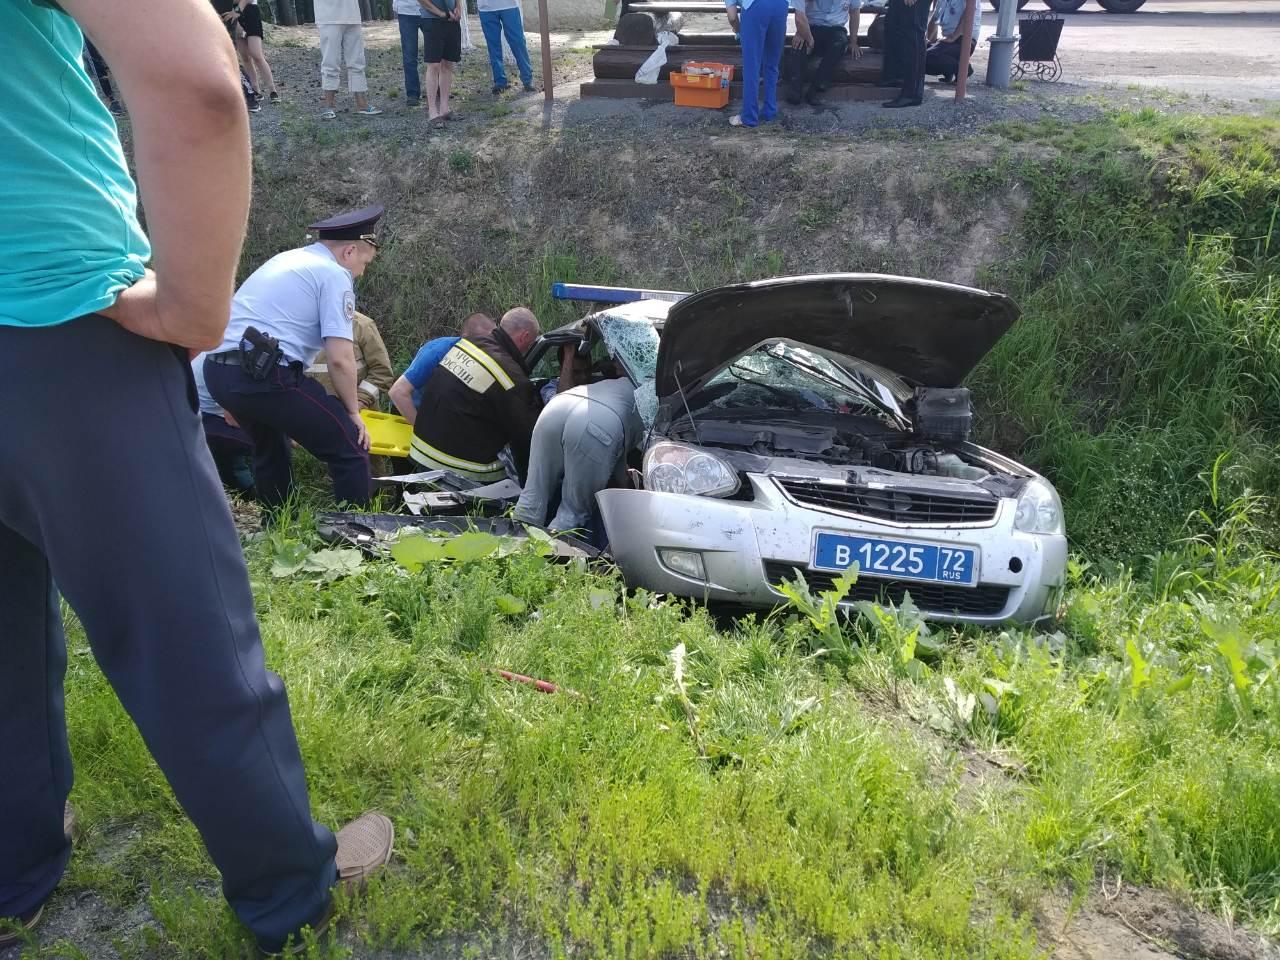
x: 107, y: 490
x: 290, y: 405
x: 943, y: 59
x: 829, y: 46
x: 904, y: 46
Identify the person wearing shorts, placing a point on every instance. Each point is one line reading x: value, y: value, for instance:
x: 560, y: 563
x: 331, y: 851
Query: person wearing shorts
x: 248, y: 15
x: 444, y: 49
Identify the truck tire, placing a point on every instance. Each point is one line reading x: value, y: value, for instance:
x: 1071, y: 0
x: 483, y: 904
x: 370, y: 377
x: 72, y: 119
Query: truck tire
x: 1121, y: 6
x: 1064, y: 6
x: 1021, y: 3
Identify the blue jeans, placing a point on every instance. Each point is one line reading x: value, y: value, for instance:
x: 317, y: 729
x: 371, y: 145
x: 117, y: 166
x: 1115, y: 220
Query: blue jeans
x: 496, y: 22
x: 410, y: 26
x: 764, y: 31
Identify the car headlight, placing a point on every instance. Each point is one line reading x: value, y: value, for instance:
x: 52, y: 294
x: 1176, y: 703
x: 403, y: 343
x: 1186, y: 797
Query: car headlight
x: 676, y: 468
x: 1039, y: 509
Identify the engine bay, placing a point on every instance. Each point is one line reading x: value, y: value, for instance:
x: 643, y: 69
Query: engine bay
x: 828, y: 444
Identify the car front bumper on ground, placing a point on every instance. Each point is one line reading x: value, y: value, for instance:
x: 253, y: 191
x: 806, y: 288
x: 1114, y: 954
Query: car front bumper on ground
x: 745, y: 547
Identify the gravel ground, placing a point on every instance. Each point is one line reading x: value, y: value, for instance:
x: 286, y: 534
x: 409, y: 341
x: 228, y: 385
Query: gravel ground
x: 295, y: 59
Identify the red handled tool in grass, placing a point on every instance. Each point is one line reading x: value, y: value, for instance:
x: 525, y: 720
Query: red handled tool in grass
x: 542, y: 685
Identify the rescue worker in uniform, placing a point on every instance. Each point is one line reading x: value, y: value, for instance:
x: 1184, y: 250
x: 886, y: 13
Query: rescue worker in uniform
x: 478, y: 400
x: 303, y: 299
x: 579, y: 448
x: 374, y: 375
x: 906, y: 23
x: 94, y: 369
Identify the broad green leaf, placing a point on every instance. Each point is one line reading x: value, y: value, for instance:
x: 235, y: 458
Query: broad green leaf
x: 1141, y: 668
x: 472, y: 545
x: 414, y: 551
x: 335, y: 564
x: 510, y: 605
x: 287, y: 556
x: 998, y: 688
x: 603, y: 598
x: 1234, y: 655
x: 1182, y: 683
x: 283, y: 568
x: 908, y: 651
x: 1231, y: 647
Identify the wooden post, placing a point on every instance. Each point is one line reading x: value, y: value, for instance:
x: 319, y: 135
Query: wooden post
x: 962, y: 75
x: 548, y: 81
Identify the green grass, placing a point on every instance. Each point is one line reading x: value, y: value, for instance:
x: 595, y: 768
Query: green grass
x: 780, y: 800
x: 801, y: 786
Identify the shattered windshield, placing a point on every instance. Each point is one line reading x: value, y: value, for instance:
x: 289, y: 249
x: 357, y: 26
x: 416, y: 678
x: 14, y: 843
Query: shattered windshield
x: 633, y: 342
x: 778, y: 374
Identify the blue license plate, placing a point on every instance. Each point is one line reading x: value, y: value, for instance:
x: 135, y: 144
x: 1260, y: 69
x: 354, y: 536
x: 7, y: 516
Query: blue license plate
x: 899, y: 559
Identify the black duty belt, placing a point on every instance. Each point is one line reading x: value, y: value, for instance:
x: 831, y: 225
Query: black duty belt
x: 231, y: 358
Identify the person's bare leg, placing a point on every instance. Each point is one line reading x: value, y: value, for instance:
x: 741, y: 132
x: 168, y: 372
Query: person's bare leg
x: 362, y: 101
x: 259, y: 58
x: 446, y: 84
x: 433, y: 90
x: 246, y: 63
x: 330, y: 99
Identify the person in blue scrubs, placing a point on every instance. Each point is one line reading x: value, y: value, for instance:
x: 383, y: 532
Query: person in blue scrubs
x: 108, y: 496
x: 762, y: 25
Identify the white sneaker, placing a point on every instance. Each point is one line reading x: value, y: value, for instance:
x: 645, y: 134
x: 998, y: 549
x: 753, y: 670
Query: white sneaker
x: 369, y: 111
x: 329, y: 115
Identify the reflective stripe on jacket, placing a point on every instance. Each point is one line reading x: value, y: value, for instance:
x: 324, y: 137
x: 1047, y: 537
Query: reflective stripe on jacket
x: 479, y: 400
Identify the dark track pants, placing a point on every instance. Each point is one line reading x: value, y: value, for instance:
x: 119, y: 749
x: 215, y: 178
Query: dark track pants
x: 107, y: 489
x: 904, y: 46
x: 943, y: 59
x: 289, y: 404
x: 829, y: 46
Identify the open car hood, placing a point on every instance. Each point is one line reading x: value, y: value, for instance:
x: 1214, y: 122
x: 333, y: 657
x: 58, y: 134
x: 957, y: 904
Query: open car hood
x: 929, y: 333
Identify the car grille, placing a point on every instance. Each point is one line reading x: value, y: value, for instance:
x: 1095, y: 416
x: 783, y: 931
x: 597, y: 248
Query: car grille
x: 982, y: 600
x: 899, y: 505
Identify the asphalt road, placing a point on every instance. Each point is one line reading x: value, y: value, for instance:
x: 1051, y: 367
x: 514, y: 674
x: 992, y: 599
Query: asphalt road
x: 1224, y: 49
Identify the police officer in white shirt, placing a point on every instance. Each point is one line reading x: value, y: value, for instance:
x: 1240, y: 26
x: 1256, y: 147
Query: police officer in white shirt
x: 290, y: 307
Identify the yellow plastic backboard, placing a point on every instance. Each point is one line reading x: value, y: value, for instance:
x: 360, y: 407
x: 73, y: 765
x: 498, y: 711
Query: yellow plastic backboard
x: 389, y: 435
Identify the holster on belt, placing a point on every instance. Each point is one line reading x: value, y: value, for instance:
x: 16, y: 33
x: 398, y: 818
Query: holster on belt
x: 259, y: 353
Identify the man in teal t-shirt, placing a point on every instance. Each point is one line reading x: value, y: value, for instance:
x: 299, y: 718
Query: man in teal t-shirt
x: 106, y: 486
x: 69, y: 204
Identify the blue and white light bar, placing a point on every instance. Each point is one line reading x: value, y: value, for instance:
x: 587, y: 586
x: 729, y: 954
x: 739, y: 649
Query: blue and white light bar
x: 593, y: 294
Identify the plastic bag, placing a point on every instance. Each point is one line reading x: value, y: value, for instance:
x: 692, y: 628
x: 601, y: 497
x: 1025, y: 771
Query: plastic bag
x: 649, y: 70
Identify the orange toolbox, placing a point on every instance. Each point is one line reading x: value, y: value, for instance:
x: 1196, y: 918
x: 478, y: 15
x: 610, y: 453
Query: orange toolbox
x: 703, y: 84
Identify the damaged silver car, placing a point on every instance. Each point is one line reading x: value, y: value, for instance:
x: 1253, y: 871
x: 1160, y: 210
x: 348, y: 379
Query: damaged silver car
x: 816, y: 424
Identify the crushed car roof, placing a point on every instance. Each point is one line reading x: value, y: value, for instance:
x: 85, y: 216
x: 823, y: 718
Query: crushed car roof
x: 929, y: 333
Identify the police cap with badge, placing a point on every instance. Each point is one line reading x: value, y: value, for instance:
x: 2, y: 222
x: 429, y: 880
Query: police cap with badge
x: 356, y: 225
